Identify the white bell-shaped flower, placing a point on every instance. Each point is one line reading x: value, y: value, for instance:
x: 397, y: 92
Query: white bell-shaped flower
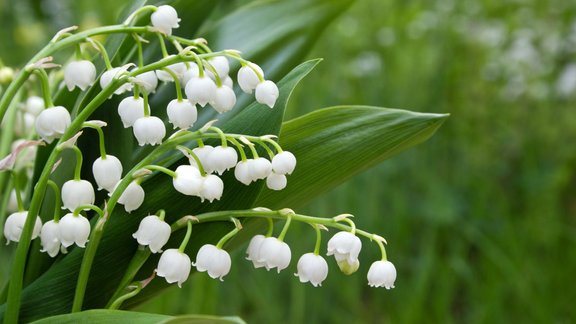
x: 224, y: 99
x: 112, y: 74
x: 74, y: 229
x: 174, y: 266
x: 247, y: 78
x: 192, y: 71
x: 242, y: 171
x: 81, y: 74
x: 34, y: 105
x: 382, y: 274
x: 200, y: 90
x: 15, y: 224
x: 52, y: 122
x: 164, y: 19
x: 132, y: 197
x: 253, y: 251
x: 149, y: 130
x: 202, y: 153
x: 222, y: 158
x: 260, y: 168
x: 213, y: 260
x: 179, y: 69
x: 107, y: 172
x: 228, y: 82
x: 76, y: 193
x: 266, y: 93
x: 312, y: 268
x: 284, y: 163
x: 182, y: 114
x: 188, y: 180
x: 212, y: 188
x: 276, y: 181
x: 221, y: 65
x: 153, y: 232
x: 130, y: 109
x: 148, y: 81
x: 50, y: 238
x: 344, y: 246
x: 274, y: 254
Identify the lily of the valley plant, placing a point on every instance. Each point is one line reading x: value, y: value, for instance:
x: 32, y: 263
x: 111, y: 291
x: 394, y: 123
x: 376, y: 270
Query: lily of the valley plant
x: 153, y: 146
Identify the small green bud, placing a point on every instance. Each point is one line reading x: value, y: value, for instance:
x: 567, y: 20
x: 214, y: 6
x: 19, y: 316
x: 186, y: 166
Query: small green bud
x: 348, y: 268
x: 6, y: 75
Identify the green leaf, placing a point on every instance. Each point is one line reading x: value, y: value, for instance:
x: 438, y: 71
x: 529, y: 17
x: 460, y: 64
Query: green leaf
x: 116, y: 316
x: 333, y: 144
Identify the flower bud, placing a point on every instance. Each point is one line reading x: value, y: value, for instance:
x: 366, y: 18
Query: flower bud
x: 221, y: 65
x: 15, y: 224
x: 111, y: 74
x: 153, y: 232
x: 74, y: 229
x: 348, y: 268
x: 107, y: 172
x: 253, y: 251
x: 260, y: 168
x: 81, y: 74
x: 50, y: 238
x: 76, y: 193
x: 200, y: 90
x: 274, y: 254
x: 266, y: 93
x: 52, y: 122
x: 188, y: 180
x: 382, y: 274
x: 224, y: 99
x: 284, y: 163
x: 222, y: 158
x: 6, y: 75
x: 212, y: 188
x: 132, y: 197
x: 312, y: 268
x: 214, y: 260
x: 147, y: 81
x: 242, y: 172
x: 247, y: 78
x: 174, y: 266
x: 130, y: 109
x: 149, y: 130
x: 182, y: 114
x: 34, y: 105
x: 164, y: 19
x: 344, y: 246
x: 276, y: 181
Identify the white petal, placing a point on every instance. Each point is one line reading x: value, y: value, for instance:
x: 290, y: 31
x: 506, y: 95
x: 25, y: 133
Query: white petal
x: 107, y: 172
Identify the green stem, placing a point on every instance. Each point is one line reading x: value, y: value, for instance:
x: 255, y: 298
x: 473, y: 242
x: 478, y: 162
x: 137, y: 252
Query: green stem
x: 352, y: 225
x: 382, y: 249
x: 17, y: 188
x: 270, y: 227
x: 318, y: 239
x: 146, y: 107
x: 223, y: 139
x: 162, y: 45
x: 78, y: 168
x: 161, y: 213
x: 138, y: 260
x: 186, y: 238
x: 161, y: 169
x: 88, y: 206
x: 226, y: 237
x: 268, y: 150
x: 137, y: 12
x: 274, y: 143
x: 239, y: 147
x: 216, y: 76
x: 285, y: 229
x: 45, y: 82
x: 101, y: 141
x: 102, y: 51
x: 253, y: 150
x: 195, y: 157
x: 176, y: 84
x: 118, y: 302
x: 140, y: 55
x: 57, y: 201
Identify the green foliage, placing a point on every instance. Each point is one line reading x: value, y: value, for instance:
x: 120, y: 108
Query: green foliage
x: 115, y: 316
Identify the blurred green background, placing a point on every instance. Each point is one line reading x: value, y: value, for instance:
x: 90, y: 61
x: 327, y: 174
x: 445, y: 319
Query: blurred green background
x: 480, y: 220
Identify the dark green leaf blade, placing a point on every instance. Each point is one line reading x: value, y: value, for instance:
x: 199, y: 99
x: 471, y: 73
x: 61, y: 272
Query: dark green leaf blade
x: 333, y: 144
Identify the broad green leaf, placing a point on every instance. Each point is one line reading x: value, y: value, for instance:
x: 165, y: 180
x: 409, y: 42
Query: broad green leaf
x: 116, y: 316
x: 333, y: 144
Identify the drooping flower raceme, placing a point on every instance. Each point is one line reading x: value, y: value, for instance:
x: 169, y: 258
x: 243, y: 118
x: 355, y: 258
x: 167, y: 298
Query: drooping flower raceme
x: 312, y: 268
x: 213, y: 260
x: 132, y: 197
x: 274, y: 253
x: 174, y: 266
x: 382, y: 274
x: 164, y: 19
x: 266, y: 93
x: 253, y: 251
x: 107, y: 172
x: 153, y: 232
x: 50, y: 238
x: 14, y: 225
x: 52, y: 122
x: 76, y: 193
x: 74, y: 229
x: 81, y: 74
x: 130, y: 109
x: 149, y: 130
x: 182, y: 114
